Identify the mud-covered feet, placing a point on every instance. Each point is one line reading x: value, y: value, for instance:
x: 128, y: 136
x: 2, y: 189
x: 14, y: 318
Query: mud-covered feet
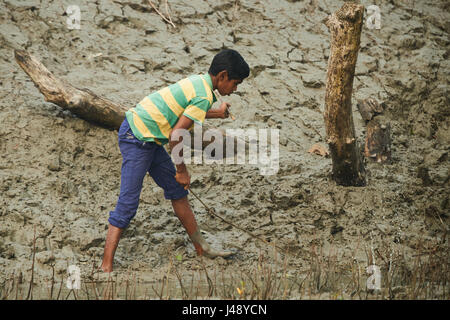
x: 211, y: 253
x: 204, y: 249
x: 100, y: 275
x: 105, y: 268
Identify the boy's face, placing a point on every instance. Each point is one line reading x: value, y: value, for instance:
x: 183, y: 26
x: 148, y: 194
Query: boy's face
x: 225, y: 85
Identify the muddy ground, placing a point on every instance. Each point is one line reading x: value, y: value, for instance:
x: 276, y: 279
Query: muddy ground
x: 60, y: 175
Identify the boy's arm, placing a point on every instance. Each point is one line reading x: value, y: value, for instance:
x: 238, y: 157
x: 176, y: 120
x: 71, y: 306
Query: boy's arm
x: 219, y: 113
x: 182, y: 175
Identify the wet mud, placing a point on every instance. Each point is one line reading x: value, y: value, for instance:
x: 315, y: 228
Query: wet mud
x: 60, y: 176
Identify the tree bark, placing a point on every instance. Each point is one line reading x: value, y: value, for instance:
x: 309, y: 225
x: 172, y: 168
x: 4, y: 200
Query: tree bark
x: 83, y: 102
x: 378, y: 136
x: 378, y: 141
x: 369, y: 108
x: 345, y: 27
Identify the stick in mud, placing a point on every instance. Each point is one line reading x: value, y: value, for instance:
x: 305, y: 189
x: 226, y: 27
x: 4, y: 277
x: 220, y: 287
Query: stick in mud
x: 30, y: 289
x: 184, y: 294
x: 237, y: 227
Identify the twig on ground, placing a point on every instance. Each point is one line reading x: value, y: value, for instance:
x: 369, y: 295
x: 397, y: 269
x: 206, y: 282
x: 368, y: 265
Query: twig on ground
x: 156, y: 292
x: 167, y: 12
x: 30, y: 288
x: 237, y: 227
x: 53, y: 281
x: 208, y: 279
x: 168, y: 20
x: 184, y: 293
x: 60, y: 287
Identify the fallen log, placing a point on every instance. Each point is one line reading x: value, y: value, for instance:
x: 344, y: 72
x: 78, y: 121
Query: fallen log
x: 81, y: 102
x: 86, y: 104
x: 345, y: 27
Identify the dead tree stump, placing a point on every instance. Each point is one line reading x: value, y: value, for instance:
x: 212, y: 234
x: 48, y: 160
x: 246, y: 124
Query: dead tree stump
x: 345, y: 27
x: 378, y: 135
x: 378, y: 141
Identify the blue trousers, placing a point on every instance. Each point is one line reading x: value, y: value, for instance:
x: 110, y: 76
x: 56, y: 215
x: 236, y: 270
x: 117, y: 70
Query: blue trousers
x: 138, y: 159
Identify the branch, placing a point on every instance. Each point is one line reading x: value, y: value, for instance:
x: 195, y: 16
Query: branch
x: 82, y: 102
x: 162, y: 16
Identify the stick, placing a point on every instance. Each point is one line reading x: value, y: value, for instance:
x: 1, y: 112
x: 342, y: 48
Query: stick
x: 30, y: 288
x: 233, y: 225
x: 162, y: 16
x: 221, y: 101
x: 167, y: 12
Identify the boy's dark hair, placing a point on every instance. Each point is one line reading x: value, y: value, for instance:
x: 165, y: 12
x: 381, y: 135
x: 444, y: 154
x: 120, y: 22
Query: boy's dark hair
x: 231, y: 61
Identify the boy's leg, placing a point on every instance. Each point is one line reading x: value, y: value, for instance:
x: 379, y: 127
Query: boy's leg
x: 184, y: 213
x: 136, y: 161
x: 163, y: 172
x: 112, y: 240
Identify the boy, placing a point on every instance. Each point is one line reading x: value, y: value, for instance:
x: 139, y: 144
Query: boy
x: 150, y: 125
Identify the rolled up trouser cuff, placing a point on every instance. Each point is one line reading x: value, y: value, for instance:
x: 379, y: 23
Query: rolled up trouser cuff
x: 175, y: 194
x: 117, y: 222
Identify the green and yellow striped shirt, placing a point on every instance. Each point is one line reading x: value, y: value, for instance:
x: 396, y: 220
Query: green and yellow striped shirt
x: 153, y: 118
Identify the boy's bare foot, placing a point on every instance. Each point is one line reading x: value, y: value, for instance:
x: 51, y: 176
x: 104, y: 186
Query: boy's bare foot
x: 105, y: 268
x: 186, y: 216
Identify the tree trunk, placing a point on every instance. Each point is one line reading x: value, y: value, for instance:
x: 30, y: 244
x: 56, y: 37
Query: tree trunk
x: 345, y: 27
x: 83, y: 102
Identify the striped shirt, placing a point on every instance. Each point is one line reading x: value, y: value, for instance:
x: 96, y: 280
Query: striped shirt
x: 154, y: 117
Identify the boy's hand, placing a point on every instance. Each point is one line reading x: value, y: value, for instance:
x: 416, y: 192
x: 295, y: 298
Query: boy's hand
x: 223, y: 110
x: 219, y: 113
x: 183, y: 178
